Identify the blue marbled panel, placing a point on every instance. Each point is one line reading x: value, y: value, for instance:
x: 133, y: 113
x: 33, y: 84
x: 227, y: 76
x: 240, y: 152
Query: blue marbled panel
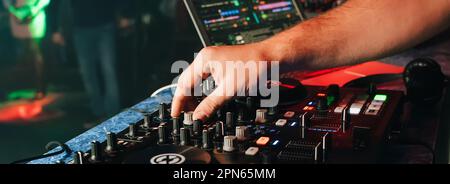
x: 116, y: 124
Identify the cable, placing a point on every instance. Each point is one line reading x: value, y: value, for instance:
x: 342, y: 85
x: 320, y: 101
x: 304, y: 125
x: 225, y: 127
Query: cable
x: 48, y: 147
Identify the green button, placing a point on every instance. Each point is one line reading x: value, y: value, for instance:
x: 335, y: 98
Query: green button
x: 380, y: 98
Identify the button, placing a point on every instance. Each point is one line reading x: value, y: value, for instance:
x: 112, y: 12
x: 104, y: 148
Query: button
x: 339, y: 109
x: 372, y: 112
x: 276, y: 143
x: 281, y: 122
x: 377, y: 102
x: 356, y: 108
x: 263, y: 141
x: 289, y: 114
x: 252, y: 151
x: 375, y: 107
x: 382, y: 98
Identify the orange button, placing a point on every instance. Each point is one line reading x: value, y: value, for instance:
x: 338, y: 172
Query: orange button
x: 321, y: 95
x: 263, y: 141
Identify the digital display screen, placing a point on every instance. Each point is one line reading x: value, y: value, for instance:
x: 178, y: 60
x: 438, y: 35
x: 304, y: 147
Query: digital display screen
x: 236, y: 22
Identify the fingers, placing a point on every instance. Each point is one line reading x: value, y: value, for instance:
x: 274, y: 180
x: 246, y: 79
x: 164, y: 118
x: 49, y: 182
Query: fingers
x: 210, y: 104
x: 190, y: 78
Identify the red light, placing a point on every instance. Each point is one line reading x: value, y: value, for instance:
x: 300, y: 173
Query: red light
x: 321, y: 95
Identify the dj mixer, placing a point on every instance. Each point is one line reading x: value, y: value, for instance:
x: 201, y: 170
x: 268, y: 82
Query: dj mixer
x: 310, y: 125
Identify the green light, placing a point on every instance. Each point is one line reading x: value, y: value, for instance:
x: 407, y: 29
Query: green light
x: 21, y: 94
x: 380, y: 98
x: 264, y: 16
x: 236, y: 3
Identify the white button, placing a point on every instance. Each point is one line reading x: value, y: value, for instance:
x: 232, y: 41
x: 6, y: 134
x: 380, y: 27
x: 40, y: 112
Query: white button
x: 281, y: 122
x: 289, y: 114
x: 252, y: 151
x: 356, y: 108
x: 339, y: 109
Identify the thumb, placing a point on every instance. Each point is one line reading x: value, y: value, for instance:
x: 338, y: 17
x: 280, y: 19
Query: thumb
x: 210, y: 104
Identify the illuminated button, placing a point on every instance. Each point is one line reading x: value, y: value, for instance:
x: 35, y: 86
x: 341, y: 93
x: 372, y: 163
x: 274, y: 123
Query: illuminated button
x: 289, y: 114
x: 281, y: 122
x: 305, y: 108
x: 339, y: 109
x: 276, y: 142
x: 252, y: 151
x: 310, y: 108
x: 321, y: 95
x: 382, y: 98
x: 376, y: 102
x: 356, y: 108
x: 263, y: 141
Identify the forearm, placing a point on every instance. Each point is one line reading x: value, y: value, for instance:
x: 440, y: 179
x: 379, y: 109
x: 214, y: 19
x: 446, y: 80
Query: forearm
x: 40, y: 6
x: 360, y: 30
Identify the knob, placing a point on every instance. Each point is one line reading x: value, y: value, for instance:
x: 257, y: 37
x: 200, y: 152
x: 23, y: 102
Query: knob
x: 228, y: 143
x: 162, y: 111
x: 372, y: 90
x: 206, y: 139
x: 96, y: 148
x: 131, y: 131
x: 272, y: 111
x: 229, y: 120
x: 322, y: 104
x: 219, y: 130
x: 147, y: 121
x: 261, y: 116
x: 241, y: 133
x: 176, y: 124
x: 333, y: 93
x: 188, y: 118
x: 162, y: 134
x: 185, y: 138
x: 111, y: 142
x: 197, y: 127
x: 78, y: 158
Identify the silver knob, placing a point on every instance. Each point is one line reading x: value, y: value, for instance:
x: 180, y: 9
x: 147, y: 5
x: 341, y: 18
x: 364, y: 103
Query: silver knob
x: 261, y: 116
x: 228, y: 143
x: 188, y: 118
x: 241, y: 133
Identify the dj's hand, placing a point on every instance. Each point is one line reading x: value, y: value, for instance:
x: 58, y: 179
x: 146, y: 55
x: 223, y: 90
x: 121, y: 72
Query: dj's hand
x: 210, y: 62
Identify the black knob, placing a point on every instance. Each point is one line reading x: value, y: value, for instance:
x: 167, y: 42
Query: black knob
x: 96, y: 155
x: 111, y: 142
x: 78, y: 158
x: 322, y: 104
x: 185, y: 137
x: 197, y: 127
x: 131, y: 131
x: 333, y: 93
x: 229, y: 121
x: 272, y: 111
x: 162, y: 132
x: 219, y: 130
x: 206, y: 139
x: 162, y: 111
x: 176, y: 123
x: 147, y: 121
x: 372, y: 90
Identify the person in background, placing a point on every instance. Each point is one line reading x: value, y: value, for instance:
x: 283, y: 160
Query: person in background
x: 94, y: 36
x: 28, y: 25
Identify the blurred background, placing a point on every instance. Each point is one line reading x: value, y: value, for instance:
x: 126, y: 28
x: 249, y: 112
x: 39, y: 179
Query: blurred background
x: 68, y: 65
